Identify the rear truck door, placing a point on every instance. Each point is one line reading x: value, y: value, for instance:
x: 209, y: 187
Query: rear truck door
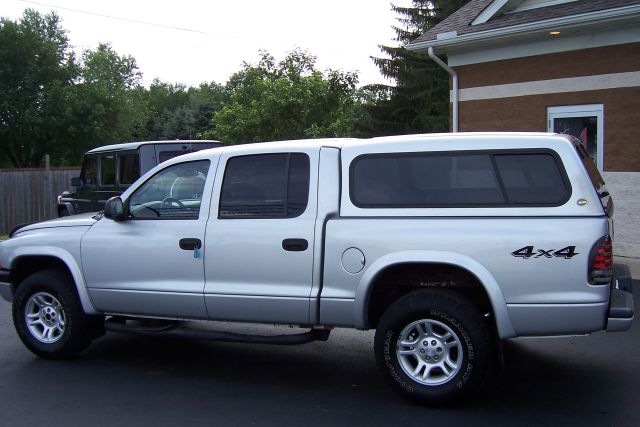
x: 260, y: 237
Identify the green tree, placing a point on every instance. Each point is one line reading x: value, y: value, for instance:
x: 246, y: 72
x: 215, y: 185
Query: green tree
x: 204, y: 102
x: 37, y: 69
x: 286, y: 100
x: 419, y: 100
x: 106, y: 105
x: 162, y: 99
x: 178, y: 112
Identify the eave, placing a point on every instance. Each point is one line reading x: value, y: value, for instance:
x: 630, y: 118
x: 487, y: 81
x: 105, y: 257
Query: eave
x: 611, y: 16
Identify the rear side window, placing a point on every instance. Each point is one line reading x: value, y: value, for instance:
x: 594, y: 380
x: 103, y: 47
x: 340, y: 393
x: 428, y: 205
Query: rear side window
x: 166, y: 155
x: 461, y: 179
x: 531, y: 179
x: 108, y: 170
x: 265, y: 186
x: 129, y: 168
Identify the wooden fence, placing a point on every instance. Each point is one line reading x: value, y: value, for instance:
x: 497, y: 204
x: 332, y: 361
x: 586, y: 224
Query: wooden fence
x: 29, y: 195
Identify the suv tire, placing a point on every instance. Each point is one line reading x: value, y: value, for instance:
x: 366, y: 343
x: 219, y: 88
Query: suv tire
x: 48, y: 316
x: 433, y: 346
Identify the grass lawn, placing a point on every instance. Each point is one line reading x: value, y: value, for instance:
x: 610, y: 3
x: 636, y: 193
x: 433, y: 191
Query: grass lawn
x: 4, y: 237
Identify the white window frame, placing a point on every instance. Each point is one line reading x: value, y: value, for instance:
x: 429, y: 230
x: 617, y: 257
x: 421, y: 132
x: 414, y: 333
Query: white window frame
x: 587, y: 110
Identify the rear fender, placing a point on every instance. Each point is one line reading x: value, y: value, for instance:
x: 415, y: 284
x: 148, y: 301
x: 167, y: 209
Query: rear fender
x: 498, y: 304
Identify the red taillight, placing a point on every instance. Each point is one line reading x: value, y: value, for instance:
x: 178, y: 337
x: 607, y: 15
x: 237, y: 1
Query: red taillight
x: 601, y: 262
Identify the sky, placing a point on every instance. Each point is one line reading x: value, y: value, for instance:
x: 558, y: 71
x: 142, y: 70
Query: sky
x: 191, y: 41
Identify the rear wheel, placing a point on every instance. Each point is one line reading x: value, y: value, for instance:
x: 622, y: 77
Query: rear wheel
x: 48, y: 316
x: 433, y: 346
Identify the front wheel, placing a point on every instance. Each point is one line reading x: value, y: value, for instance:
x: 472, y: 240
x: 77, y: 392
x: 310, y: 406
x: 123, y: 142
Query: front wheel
x: 433, y: 346
x: 48, y: 316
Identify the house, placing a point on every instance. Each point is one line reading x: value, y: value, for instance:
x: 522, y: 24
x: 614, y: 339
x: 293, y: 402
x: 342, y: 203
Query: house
x: 568, y: 66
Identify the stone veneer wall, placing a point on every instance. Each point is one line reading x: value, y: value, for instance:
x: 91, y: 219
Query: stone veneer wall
x: 625, y: 189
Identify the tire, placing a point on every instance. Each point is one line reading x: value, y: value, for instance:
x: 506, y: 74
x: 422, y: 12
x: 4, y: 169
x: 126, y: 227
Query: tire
x: 447, y: 350
x: 63, y: 212
x: 48, y: 316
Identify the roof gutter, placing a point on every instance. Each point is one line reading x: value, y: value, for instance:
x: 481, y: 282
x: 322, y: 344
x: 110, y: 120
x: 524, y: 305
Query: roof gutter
x: 454, y: 84
x: 622, y: 13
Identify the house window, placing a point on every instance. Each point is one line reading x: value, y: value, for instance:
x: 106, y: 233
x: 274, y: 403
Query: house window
x: 585, y: 122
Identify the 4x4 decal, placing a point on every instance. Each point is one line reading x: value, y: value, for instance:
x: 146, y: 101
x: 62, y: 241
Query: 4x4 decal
x: 527, y: 252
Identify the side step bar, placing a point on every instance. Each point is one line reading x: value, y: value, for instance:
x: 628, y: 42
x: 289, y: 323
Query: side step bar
x: 178, y: 330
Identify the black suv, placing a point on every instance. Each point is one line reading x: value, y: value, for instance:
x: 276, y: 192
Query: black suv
x: 108, y: 171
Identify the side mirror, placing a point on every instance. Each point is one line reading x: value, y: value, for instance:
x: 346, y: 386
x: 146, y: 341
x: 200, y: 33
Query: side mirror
x: 114, y: 209
x: 75, y: 181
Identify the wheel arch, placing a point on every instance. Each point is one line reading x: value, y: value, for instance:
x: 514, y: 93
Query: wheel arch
x: 29, y: 260
x: 484, y: 278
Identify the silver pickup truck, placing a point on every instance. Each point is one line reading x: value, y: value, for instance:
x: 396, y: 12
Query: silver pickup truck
x: 445, y: 244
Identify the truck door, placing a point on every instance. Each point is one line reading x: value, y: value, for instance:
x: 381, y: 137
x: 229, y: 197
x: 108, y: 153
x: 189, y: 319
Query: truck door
x: 260, y: 237
x: 151, y: 263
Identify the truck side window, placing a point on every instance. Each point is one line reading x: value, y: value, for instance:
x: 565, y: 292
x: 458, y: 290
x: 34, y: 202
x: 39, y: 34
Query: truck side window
x: 265, y: 186
x: 173, y: 193
x: 462, y: 179
x: 129, y: 167
x: 89, y: 171
x: 108, y: 170
x: 531, y: 178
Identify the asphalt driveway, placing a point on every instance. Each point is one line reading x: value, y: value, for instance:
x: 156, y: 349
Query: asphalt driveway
x: 155, y: 381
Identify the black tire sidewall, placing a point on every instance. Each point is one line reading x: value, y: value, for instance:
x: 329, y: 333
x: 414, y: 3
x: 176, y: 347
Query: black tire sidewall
x: 464, y: 320
x: 58, y: 285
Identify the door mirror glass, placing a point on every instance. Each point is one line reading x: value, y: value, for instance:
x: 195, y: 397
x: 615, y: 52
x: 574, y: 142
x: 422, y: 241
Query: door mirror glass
x: 75, y: 181
x: 114, y: 209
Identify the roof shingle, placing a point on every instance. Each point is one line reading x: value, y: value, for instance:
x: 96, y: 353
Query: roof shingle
x: 460, y: 21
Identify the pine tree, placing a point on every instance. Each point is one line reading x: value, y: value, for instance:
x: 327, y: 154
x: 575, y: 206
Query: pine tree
x: 419, y: 101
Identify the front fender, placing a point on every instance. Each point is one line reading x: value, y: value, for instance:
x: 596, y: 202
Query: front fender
x: 67, y: 258
x: 365, y: 286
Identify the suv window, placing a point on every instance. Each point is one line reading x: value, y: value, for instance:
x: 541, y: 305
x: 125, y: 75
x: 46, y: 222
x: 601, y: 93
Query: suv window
x: 463, y: 179
x: 173, y: 193
x: 129, y: 167
x: 265, y: 186
x: 90, y: 171
x: 166, y: 155
x: 108, y: 170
